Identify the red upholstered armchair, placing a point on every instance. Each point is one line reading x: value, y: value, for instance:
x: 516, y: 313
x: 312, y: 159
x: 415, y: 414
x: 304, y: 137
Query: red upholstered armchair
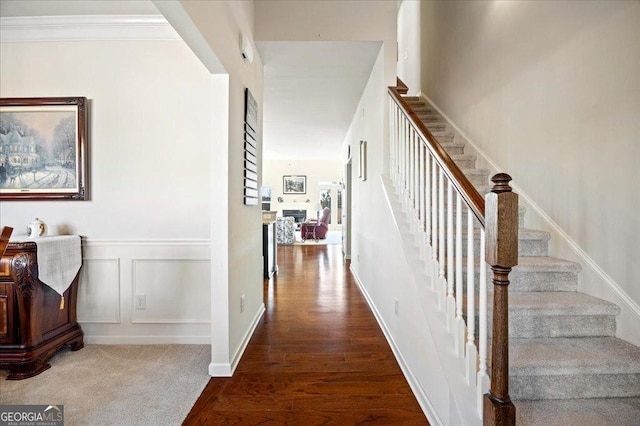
x: 316, y: 230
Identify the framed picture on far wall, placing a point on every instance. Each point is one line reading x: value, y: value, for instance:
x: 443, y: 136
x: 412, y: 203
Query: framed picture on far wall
x: 294, y: 185
x: 43, y: 149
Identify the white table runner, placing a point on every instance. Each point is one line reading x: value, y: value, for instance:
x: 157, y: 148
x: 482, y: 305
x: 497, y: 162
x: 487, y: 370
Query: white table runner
x: 59, y: 259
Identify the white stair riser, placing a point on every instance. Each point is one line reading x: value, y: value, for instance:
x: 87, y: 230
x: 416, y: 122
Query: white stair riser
x: 574, y: 386
x: 526, y: 247
x: 545, y: 326
x: 561, y: 325
x: 466, y: 163
x: 527, y: 280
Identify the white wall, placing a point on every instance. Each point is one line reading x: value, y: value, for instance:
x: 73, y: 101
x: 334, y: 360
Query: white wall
x: 409, y: 45
x: 550, y: 91
x: 379, y: 262
x: 147, y: 222
x: 315, y: 171
x: 213, y: 30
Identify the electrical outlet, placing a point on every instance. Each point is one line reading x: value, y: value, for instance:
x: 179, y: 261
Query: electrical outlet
x: 396, y: 306
x: 242, y: 301
x: 141, y: 301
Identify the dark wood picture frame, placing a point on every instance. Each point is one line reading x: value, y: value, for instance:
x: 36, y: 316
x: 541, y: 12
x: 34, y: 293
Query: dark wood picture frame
x: 294, y: 184
x: 43, y: 149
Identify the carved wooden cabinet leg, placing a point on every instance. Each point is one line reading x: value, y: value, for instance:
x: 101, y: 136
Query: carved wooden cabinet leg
x: 27, y: 369
x: 77, y: 343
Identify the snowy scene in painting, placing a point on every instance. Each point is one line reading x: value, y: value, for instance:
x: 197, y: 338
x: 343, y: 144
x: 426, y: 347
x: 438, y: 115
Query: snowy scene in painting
x: 38, y: 150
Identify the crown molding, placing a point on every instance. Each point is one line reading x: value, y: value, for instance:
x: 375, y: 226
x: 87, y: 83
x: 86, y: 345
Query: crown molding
x: 85, y: 28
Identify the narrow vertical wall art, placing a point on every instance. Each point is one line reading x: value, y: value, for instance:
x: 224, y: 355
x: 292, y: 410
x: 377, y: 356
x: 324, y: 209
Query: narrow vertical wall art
x: 250, y: 150
x: 362, y: 169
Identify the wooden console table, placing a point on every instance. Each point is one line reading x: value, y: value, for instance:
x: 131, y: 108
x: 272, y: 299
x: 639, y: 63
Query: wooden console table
x: 34, y: 322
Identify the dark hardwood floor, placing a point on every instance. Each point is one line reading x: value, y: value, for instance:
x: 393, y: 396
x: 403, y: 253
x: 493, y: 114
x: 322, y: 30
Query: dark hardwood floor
x: 318, y: 356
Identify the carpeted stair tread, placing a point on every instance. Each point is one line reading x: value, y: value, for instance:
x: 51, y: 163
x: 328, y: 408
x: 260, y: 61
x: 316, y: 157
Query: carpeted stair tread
x: 475, y: 172
x: 453, y: 147
x: 579, y: 412
x: 435, y: 126
x: 463, y: 157
x: 531, y: 242
x: 539, y: 264
x: 563, y: 356
x: 444, y: 135
x: 429, y: 117
x: 558, y: 303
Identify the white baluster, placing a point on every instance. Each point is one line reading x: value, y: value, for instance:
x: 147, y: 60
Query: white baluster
x: 416, y: 197
x: 434, y: 226
x: 407, y: 145
x: 451, y: 303
x: 459, y: 320
x: 442, y: 287
x: 422, y: 191
x: 483, y: 377
x: 402, y: 145
x: 471, y: 351
x: 416, y: 177
x: 394, y: 139
x: 412, y: 169
x: 427, y: 209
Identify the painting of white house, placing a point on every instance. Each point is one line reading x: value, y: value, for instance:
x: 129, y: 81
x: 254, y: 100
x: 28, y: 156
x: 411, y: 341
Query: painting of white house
x: 38, y: 150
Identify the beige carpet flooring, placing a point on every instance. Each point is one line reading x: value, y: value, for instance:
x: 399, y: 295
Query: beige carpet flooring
x: 117, y: 384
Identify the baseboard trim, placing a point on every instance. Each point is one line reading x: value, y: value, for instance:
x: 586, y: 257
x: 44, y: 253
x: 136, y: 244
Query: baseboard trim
x: 147, y: 340
x: 246, y: 338
x: 423, y: 400
x: 584, y: 259
x: 227, y: 369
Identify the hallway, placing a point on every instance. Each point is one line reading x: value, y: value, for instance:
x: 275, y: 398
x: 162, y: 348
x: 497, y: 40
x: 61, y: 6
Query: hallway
x: 318, y: 356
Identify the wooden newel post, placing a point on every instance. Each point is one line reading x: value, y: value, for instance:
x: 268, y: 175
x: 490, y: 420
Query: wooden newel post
x: 501, y: 247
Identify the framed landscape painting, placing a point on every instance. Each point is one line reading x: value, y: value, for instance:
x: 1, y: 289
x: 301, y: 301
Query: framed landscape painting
x: 294, y: 185
x: 43, y: 149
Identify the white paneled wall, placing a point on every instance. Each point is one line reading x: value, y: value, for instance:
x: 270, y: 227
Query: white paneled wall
x: 173, y: 277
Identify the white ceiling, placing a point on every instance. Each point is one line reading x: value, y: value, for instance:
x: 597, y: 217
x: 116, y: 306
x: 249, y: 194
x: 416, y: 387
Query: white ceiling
x: 311, y: 89
x: 311, y: 92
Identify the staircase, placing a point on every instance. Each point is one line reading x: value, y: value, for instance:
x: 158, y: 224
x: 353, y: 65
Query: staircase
x: 566, y: 367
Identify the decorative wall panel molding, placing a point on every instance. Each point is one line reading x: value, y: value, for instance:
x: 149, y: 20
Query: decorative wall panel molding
x: 174, y: 277
x: 174, y: 289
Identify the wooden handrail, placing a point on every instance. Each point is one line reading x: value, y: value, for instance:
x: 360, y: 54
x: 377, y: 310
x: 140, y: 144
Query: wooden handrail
x: 465, y: 188
x: 401, y: 87
x: 500, y: 223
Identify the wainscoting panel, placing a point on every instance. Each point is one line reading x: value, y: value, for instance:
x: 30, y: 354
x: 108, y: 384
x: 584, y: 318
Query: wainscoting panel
x: 99, y: 291
x: 172, y: 275
x: 174, y: 289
